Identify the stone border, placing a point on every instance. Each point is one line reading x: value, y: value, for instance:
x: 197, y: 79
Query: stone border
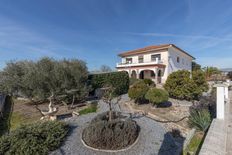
x: 110, y: 151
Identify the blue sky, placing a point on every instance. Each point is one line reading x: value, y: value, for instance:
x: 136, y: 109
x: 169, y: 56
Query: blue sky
x: 97, y: 30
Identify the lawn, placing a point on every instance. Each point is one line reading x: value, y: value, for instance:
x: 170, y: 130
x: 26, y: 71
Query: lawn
x: 195, y: 144
x: 18, y: 119
x: 90, y: 109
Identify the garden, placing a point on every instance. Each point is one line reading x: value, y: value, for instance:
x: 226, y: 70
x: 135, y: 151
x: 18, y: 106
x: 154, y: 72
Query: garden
x: 179, y: 106
x: 118, y: 119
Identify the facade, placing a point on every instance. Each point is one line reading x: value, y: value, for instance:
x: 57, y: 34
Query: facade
x: 155, y: 62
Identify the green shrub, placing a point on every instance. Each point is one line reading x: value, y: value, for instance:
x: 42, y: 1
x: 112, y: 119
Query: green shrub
x: 138, y: 91
x: 92, y: 108
x: 181, y: 86
x: 156, y: 96
x: 118, y: 80
x: 133, y: 81
x: 200, y: 118
x: 37, y: 138
x: 149, y: 82
x: 199, y: 79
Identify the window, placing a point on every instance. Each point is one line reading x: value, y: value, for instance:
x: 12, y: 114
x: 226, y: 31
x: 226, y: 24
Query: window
x: 154, y: 56
x: 178, y: 59
x: 128, y: 60
x: 140, y: 59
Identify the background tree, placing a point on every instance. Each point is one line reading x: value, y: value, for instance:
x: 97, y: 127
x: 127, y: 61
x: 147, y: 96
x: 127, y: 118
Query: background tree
x: 209, y: 71
x: 230, y: 75
x: 195, y: 66
x: 105, y: 68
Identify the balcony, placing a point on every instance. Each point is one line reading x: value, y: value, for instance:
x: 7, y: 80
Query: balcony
x: 129, y: 64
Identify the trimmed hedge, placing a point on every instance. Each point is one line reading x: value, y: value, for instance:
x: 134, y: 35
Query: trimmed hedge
x: 36, y: 138
x: 156, y: 96
x: 118, y: 80
x: 138, y: 91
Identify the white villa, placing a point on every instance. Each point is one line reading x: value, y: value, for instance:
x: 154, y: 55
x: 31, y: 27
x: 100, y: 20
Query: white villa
x: 155, y: 62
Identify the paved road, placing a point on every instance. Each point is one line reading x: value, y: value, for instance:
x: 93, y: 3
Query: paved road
x: 153, y: 139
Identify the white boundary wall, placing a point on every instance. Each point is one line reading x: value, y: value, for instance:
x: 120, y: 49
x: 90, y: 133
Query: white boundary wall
x: 215, y: 140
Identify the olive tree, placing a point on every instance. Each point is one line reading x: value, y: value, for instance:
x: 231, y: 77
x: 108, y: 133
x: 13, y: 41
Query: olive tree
x: 40, y: 79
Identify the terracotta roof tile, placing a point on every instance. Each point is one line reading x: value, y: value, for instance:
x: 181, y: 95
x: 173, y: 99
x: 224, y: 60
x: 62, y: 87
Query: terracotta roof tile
x: 149, y: 48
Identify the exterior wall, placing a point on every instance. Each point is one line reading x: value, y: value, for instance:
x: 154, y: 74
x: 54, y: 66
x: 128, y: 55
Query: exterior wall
x: 147, y: 57
x: 185, y: 60
x: 168, y: 59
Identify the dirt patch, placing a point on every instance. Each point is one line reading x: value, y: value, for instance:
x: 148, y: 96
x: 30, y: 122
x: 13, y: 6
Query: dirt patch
x: 24, y: 112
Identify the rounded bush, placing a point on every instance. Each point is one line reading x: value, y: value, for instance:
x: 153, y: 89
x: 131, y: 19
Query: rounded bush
x: 149, y: 82
x: 34, y: 138
x: 138, y: 91
x: 180, y: 85
x: 157, y: 96
x: 133, y: 81
x: 110, y: 135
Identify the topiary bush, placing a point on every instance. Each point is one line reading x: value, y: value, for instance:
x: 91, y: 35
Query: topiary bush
x: 156, y: 96
x: 118, y: 80
x: 180, y: 85
x: 116, y: 134
x: 149, y: 82
x: 34, y: 138
x: 133, y: 81
x: 138, y: 91
x: 199, y: 79
x: 200, y: 118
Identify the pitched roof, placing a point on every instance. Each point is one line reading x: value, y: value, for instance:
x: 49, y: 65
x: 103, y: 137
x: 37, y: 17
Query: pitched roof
x: 151, y: 48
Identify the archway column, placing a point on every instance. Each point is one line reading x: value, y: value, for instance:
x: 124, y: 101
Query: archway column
x: 137, y: 73
x: 156, y: 75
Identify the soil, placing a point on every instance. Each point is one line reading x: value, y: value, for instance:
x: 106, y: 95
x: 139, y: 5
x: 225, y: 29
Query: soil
x: 29, y: 113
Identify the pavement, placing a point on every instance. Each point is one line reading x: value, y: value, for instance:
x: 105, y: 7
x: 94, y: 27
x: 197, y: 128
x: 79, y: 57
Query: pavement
x: 218, y: 140
x: 153, y: 138
x: 229, y: 128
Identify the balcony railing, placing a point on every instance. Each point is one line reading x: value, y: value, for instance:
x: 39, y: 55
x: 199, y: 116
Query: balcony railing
x: 129, y: 64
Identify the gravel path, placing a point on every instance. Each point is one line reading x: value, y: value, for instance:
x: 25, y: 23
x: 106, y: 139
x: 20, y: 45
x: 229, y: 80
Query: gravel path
x: 153, y: 139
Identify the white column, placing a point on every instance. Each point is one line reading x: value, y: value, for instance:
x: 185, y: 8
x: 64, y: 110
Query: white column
x: 137, y: 73
x: 156, y: 75
x: 220, y: 100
